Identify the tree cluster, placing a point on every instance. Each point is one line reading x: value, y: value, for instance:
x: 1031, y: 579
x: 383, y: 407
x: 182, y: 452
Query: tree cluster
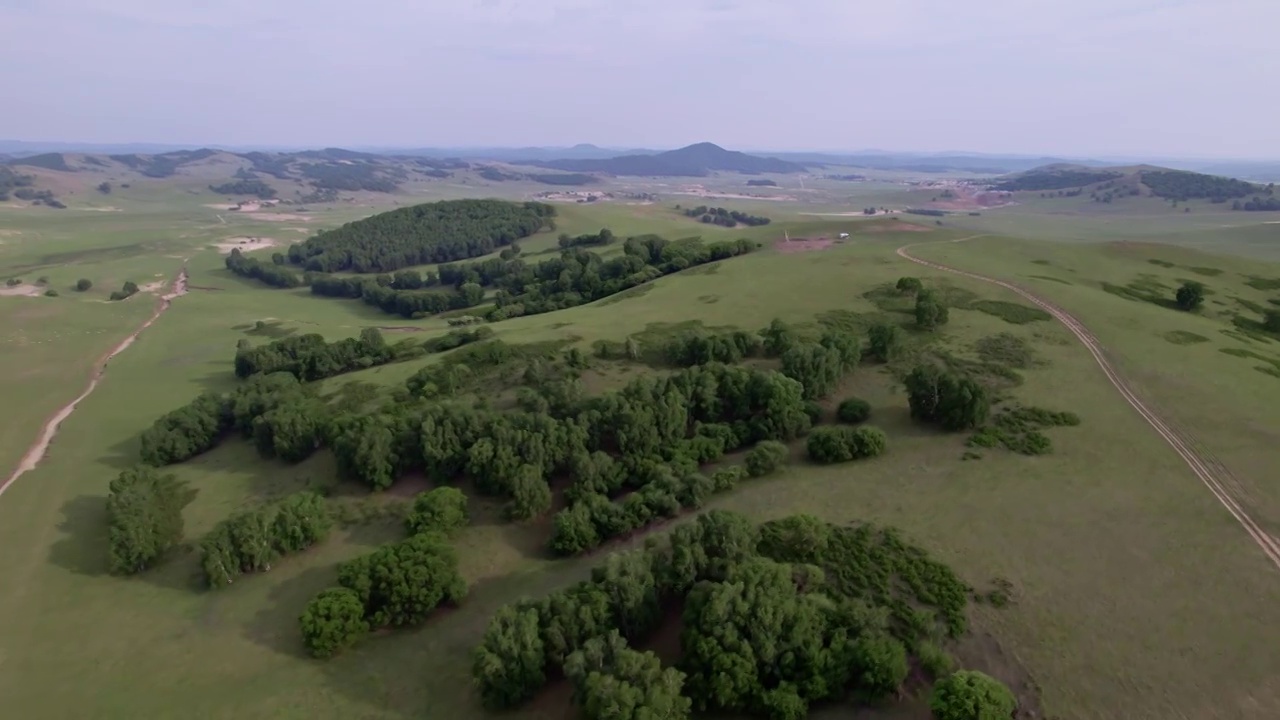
x: 931, y: 312
x: 819, y: 366
x: 725, y: 218
x: 351, y: 176
x: 775, y: 617
x: 422, y: 234
x: 144, y: 518
x: 272, y: 274
x: 1180, y: 185
x: 943, y: 398
x: 701, y: 347
x: 11, y: 181
x: 251, y: 186
x: 1054, y: 180
x: 267, y: 407
x: 252, y: 541
x: 600, y: 239
x: 308, y: 357
x: 442, y: 510
x: 398, y: 585
x: 1258, y: 204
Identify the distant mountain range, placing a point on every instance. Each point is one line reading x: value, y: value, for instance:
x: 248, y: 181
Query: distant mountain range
x: 696, y: 160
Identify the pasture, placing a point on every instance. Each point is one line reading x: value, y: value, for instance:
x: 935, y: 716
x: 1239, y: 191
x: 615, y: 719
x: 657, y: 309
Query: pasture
x: 1132, y: 592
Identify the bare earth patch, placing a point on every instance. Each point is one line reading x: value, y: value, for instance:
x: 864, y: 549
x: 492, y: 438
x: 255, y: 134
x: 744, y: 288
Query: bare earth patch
x: 25, y: 289
x: 282, y: 217
x: 245, y: 244
x: 101, y: 208
x: 795, y: 246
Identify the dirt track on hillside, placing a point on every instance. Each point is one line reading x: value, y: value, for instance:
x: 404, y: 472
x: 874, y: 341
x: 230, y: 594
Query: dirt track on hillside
x: 37, y: 451
x: 1200, y: 463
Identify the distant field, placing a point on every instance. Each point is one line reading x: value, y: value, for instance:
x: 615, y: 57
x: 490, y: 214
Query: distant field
x: 1134, y: 595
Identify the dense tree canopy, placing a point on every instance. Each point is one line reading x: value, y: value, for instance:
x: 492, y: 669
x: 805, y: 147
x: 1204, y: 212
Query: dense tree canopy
x: 245, y: 186
x: 971, y: 695
x: 422, y: 234
x: 309, y: 357
x: 269, y: 273
x: 725, y: 218
x: 1054, y: 180
x: 253, y: 540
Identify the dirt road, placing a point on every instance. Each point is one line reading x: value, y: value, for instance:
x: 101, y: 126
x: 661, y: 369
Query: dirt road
x: 37, y: 451
x: 1202, y: 467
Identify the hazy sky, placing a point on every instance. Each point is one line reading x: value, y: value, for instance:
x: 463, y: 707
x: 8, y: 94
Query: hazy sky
x: 1173, y: 77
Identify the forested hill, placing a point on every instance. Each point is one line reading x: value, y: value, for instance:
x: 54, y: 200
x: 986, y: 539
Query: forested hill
x: 693, y: 161
x: 1160, y: 182
x: 420, y: 234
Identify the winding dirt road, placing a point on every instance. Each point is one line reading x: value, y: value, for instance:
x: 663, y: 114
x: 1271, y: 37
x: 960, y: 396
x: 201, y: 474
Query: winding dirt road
x: 1202, y: 466
x: 37, y: 451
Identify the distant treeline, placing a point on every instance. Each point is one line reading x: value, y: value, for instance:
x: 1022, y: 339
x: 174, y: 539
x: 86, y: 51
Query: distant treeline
x: 762, y: 183
x: 242, y: 186
x: 725, y: 218
x: 309, y: 357
x: 564, y: 179
x: 1265, y: 204
x: 355, y: 176
x: 1056, y: 180
x: 11, y: 181
x: 924, y: 211
x: 422, y: 234
x: 1179, y: 185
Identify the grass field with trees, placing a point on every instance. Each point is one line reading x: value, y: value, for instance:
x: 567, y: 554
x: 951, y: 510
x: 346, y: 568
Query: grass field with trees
x: 910, y: 491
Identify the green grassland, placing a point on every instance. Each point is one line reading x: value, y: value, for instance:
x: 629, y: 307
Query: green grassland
x: 1134, y: 594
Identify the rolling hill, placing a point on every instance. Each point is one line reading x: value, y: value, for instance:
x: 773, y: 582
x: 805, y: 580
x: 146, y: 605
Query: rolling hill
x: 696, y: 160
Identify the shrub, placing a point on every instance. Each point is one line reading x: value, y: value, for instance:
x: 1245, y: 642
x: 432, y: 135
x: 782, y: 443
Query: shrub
x: 930, y: 312
x: 971, y: 695
x: 83, y: 284
x: 332, y: 621
x: 766, y: 457
x: 51, y: 293
x: 1190, y: 296
x: 909, y: 285
x: 574, y: 531
x: 442, y: 510
x: 946, y: 399
x: 1272, y: 321
x: 841, y: 444
x: 854, y: 410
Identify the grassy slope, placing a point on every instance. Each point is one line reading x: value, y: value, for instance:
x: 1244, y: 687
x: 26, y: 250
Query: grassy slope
x: 1135, y: 595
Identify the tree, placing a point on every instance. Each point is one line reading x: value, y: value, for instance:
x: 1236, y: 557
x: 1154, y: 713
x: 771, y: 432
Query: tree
x: 1190, y: 296
x: 909, y: 285
x: 766, y: 457
x: 530, y: 494
x: 509, y: 664
x: 574, y: 530
x: 83, y: 284
x: 144, y: 518
x: 971, y: 695
x: 1272, y: 321
x: 881, y: 663
x: 930, y: 312
x: 332, y: 621
x: 885, y: 341
x: 442, y: 510
x: 853, y: 410
x: 946, y: 399
x: 104, y: 187
x: 841, y: 444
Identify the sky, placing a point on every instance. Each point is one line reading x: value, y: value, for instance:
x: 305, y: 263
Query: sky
x: 1185, y: 78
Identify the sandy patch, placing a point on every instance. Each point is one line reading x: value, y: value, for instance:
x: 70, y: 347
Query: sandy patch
x: 152, y: 286
x: 9, y: 233
x: 795, y: 246
x: 854, y: 213
x: 25, y: 289
x: 104, y: 208
x: 700, y: 191
x: 245, y: 244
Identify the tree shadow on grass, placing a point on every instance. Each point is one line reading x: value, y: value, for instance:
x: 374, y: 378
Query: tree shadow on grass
x: 276, y: 625
x: 83, y: 547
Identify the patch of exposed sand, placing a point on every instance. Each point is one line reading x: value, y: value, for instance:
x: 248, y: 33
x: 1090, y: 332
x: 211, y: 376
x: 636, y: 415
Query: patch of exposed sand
x: 25, y: 289
x: 898, y: 227
x: 245, y: 244
x: 104, y: 208
x: 9, y: 233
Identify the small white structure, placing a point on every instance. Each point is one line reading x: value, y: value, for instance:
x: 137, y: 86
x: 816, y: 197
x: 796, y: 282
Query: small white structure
x: 844, y: 236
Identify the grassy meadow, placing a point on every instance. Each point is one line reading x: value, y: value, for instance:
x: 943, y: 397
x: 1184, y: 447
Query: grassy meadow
x: 1134, y: 594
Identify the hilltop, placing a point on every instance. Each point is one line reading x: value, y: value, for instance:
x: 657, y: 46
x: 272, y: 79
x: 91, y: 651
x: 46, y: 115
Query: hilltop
x: 696, y: 160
